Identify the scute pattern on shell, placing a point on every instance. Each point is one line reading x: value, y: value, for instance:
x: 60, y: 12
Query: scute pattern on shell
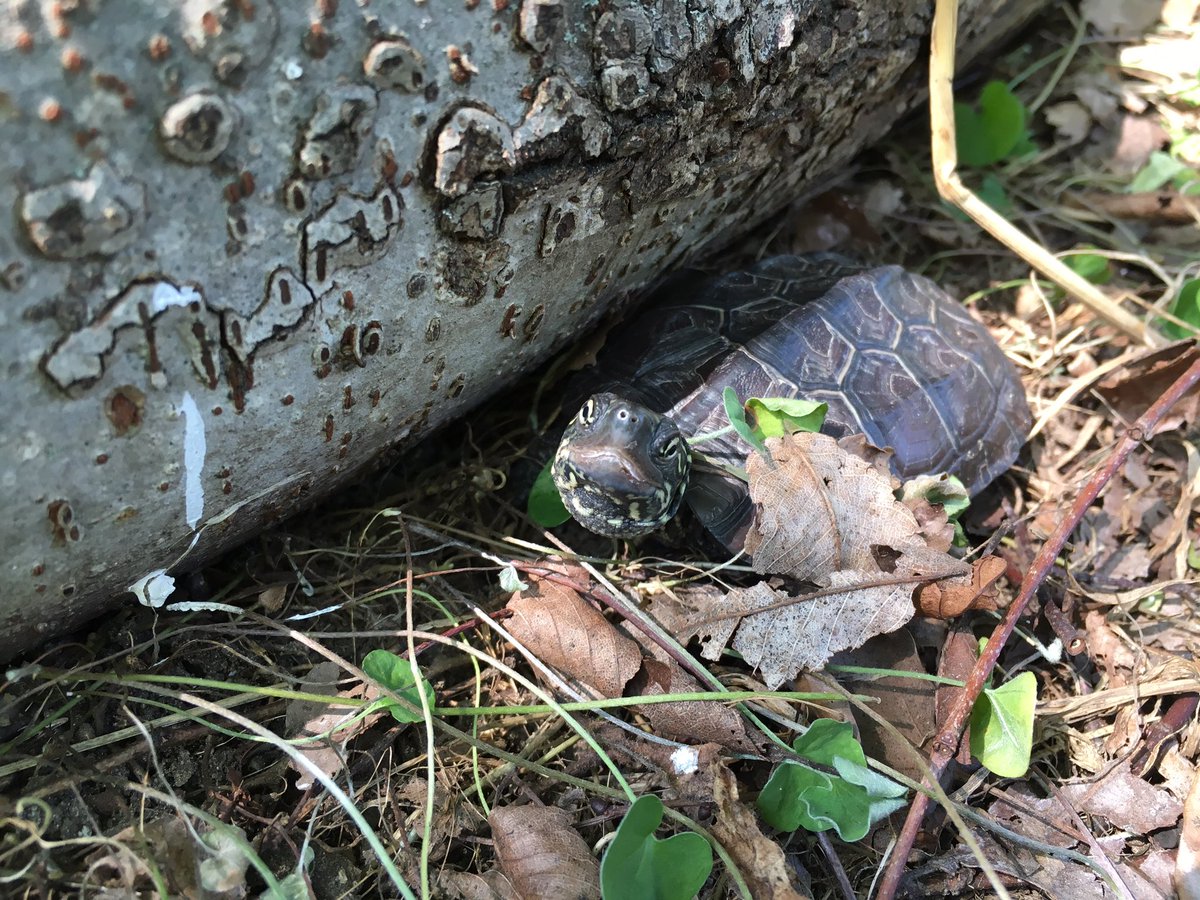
x: 893, y: 355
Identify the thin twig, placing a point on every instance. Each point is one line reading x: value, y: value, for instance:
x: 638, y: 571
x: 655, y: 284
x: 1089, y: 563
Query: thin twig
x: 835, y: 865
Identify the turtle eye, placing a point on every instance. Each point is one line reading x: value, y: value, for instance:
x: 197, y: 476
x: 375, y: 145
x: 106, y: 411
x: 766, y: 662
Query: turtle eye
x: 587, y: 415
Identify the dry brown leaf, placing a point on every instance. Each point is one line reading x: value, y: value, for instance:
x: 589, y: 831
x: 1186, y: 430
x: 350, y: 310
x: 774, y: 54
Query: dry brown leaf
x: 782, y: 642
x: 692, y: 721
x: 1187, y: 863
x: 542, y: 855
x: 760, y: 859
x: 568, y: 633
x: 272, y: 598
x: 469, y: 886
x: 1071, y: 121
x: 821, y: 509
x: 306, y: 718
x: 1127, y: 801
x: 168, y: 842
x: 906, y: 703
x: 951, y: 597
x: 1120, y: 17
x: 935, y: 527
x: 830, y: 517
x: 1105, y: 645
x: 1042, y: 819
x: 1138, y: 137
x: 1132, y: 389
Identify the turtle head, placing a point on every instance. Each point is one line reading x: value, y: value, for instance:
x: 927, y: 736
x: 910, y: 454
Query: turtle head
x: 621, y: 468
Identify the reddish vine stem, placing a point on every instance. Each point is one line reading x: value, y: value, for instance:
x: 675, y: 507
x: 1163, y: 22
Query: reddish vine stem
x: 948, y: 738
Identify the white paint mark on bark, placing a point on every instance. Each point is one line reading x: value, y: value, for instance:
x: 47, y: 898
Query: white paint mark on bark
x: 166, y: 295
x: 153, y: 589
x: 194, y: 449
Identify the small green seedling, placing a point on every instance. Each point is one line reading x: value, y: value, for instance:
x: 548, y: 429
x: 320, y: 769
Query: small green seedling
x: 1002, y: 726
x: 1163, y: 169
x: 545, y: 506
x: 777, y: 416
x: 946, y: 491
x: 1092, y: 266
x: 396, y: 674
x: 639, y: 866
x: 994, y: 129
x: 763, y: 417
x: 1186, y: 306
x: 797, y: 796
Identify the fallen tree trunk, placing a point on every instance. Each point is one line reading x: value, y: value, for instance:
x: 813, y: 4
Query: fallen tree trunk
x: 253, y: 242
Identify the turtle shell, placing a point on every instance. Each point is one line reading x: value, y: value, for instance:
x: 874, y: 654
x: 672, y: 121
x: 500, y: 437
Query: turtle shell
x: 892, y: 354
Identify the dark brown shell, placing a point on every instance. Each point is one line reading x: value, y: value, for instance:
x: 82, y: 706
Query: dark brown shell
x: 893, y: 355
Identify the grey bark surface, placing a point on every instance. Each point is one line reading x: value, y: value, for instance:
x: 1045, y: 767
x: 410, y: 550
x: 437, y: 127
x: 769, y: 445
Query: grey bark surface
x: 252, y: 243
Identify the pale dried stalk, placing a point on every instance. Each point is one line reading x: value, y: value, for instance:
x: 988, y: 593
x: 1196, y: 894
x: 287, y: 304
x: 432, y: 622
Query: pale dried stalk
x: 950, y: 186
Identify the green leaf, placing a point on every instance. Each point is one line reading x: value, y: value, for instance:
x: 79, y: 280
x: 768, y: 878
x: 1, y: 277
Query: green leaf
x: 1152, y: 604
x: 639, y: 866
x: 1002, y: 726
x: 293, y: 887
x: 1092, y: 266
x: 545, y: 506
x: 993, y: 129
x: 737, y: 418
x: 799, y: 796
x: 1186, y: 306
x: 1191, y: 94
x: 395, y: 673
x: 945, y: 490
x: 991, y: 191
x: 777, y: 416
x: 1159, y: 169
x: 1186, y: 146
x: 1193, y: 556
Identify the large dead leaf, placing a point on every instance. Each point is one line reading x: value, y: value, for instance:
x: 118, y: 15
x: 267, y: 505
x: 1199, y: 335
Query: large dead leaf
x: 567, y: 632
x: 821, y: 509
x: 1127, y: 801
x: 693, y: 721
x: 906, y: 703
x: 1132, y: 389
x: 829, y: 516
x: 542, y: 854
x: 760, y: 859
x: 1187, y: 863
x: 782, y: 642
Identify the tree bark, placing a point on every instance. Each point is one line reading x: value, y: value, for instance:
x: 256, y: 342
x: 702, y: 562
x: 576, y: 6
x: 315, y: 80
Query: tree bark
x: 252, y: 242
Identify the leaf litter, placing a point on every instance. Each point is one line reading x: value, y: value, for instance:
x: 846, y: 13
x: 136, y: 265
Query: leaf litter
x: 828, y: 516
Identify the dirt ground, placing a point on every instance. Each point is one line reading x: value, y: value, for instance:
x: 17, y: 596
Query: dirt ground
x: 236, y: 750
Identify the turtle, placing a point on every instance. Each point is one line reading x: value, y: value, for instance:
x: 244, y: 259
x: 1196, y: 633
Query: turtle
x: 894, y: 356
